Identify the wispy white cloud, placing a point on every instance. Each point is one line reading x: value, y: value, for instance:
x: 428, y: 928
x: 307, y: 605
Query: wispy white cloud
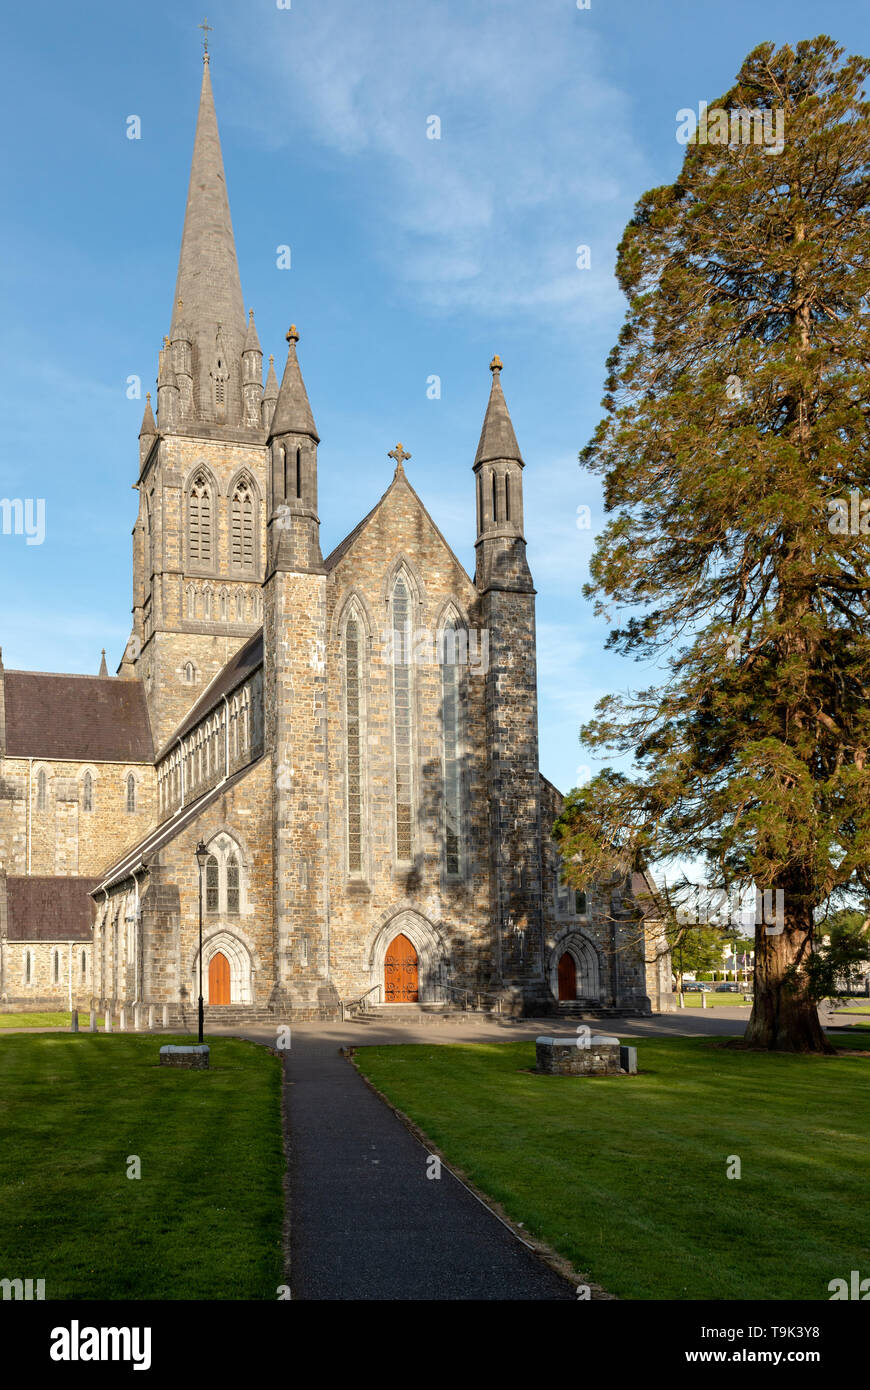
x: 536, y: 143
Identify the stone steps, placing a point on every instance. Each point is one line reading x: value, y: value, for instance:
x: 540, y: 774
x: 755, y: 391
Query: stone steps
x: 421, y: 1013
x: 572, y: 1008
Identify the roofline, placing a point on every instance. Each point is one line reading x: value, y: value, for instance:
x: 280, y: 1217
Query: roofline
x: 176, y: 736
x: 135, y: 860
x: 72, y: 676
x: 361, y: 525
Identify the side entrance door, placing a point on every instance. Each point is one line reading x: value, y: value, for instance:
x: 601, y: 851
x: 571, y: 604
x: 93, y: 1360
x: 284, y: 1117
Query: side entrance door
x: 567, y: 977
x: 400, y: 972
x: 218, y: 979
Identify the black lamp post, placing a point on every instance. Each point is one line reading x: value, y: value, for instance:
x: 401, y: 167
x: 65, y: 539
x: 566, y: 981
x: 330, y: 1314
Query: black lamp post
x: 201, y: 857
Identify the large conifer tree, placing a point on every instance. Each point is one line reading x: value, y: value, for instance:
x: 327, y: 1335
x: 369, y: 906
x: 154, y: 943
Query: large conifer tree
x: 735, y: 459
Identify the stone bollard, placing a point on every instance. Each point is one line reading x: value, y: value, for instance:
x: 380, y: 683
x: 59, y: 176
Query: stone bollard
x: 108, y: 1019
x: 74, y: 1021
x: 165, y: 1015
x: 122, y: 1020
x: 92, y: 1026
x: 150, y: 1018
x: 137, y: 1018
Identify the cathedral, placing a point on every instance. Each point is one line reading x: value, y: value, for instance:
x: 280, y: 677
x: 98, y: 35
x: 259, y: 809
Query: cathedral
x: 352, y: 738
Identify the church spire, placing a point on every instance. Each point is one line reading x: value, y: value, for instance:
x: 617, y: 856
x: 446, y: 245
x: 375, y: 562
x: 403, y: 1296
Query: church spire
x: 208, y: 291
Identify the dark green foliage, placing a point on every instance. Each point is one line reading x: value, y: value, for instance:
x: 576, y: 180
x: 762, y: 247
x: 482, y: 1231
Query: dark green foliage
x: 736, y: 417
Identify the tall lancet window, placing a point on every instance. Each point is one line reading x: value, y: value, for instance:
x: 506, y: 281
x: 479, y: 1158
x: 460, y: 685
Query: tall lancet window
x: 200, y: 521
x: 353, y: 640
x: 451, y: 716
x: 403, y: 720
x: 243, y: 525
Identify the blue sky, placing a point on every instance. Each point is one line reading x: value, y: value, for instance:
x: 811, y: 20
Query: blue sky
x: 411, y: 257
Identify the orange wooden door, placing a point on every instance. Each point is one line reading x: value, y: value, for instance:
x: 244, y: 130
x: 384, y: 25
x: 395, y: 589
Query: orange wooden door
x: 567, y: 977
x: 218, y: 979
x: 400, y: 972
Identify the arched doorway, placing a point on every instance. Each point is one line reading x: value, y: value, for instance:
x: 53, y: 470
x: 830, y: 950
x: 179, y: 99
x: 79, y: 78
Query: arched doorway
x: 219, y: 979
x: 401, y: 984
x: 567, y: 976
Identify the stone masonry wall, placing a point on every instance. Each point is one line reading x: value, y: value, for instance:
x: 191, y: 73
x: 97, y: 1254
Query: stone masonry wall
x: 452, y: 916
x: 65, y: 838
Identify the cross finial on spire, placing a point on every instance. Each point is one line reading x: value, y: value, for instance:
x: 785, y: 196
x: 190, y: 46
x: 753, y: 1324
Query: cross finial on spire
x: 496, y: 364
x: 292, y: 335
x: 399, y: 454
x: 206, y: 30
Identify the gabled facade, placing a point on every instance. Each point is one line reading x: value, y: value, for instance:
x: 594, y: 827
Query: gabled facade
x: 355, y: 737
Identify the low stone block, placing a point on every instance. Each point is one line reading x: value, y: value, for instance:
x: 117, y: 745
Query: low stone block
x: 596, y: 1055
x: 628, y: 1060
x: 173, y: 1055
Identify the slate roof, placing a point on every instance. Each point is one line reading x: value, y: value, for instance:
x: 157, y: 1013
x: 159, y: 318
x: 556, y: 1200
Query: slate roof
x: 49, y: 909
x: 84, y: 718
x: 236, y: 671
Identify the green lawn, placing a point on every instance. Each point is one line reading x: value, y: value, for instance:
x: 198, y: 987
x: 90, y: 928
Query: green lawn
x: 693, y: 1001
x: 45, y: 1021
x: 626, y: 1176
x: 204, y: 1220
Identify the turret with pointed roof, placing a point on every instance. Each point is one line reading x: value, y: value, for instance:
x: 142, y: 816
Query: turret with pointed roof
x: 507, y: 614
x: 498, y: 469
x: 294, y: 526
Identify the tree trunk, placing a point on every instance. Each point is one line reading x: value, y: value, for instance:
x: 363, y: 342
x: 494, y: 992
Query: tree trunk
x: 784, y: 1017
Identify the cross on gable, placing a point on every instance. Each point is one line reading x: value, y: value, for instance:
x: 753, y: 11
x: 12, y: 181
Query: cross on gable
x: 398, y: 454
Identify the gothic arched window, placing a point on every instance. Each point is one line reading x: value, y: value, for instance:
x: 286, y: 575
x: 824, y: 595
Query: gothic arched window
x: 232, y: 884
x: 212, y: 885
x: 402, y: 720
x: 41, y: 791
x: 84, y: 966
x: 88, y: 792
x: 131, y: 793
x: 452, y: 740
x: 200, y: 520
x: 353, y: 742
x: 55, y: 967
x: 243, y: 525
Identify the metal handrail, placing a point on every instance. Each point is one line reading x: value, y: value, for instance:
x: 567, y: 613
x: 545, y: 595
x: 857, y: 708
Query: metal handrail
x: 346, y: 1005
x: 478, y: 993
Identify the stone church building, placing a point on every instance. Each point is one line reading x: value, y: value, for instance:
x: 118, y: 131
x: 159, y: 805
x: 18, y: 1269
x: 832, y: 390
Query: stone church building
x: 354, y: 736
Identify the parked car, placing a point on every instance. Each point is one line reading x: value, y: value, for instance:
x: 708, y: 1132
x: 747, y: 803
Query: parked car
x: 728, y: 989
x: 695, y: 986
